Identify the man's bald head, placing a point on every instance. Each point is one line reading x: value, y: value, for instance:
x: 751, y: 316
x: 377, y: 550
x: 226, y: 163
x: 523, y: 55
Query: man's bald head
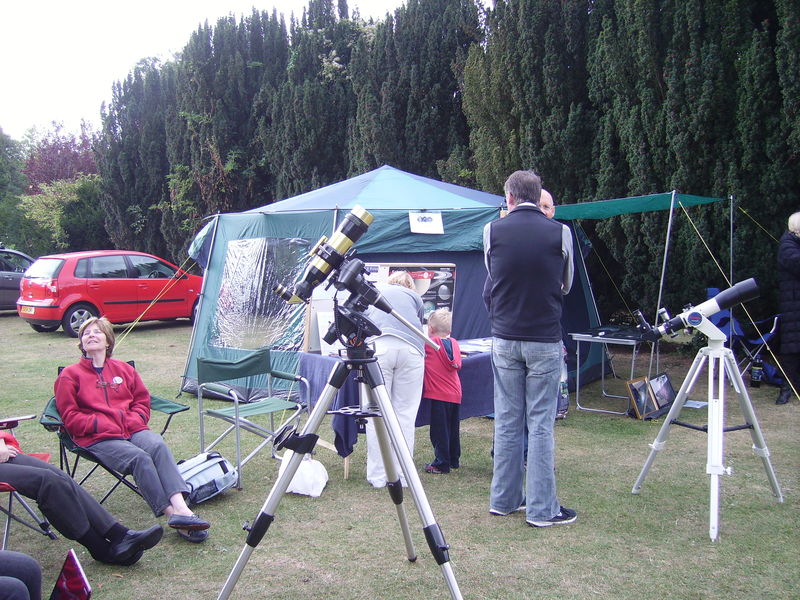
x: 546, y: 204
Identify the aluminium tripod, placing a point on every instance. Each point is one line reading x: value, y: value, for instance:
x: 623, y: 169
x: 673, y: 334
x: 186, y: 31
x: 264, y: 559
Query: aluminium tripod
x: 374, y: 403
x: 721, y: 362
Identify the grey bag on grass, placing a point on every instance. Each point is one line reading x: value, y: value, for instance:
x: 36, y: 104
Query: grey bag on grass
x: 207, y: 474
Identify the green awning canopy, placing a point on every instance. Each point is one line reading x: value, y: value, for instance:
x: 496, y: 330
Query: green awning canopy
x: 603, y: 209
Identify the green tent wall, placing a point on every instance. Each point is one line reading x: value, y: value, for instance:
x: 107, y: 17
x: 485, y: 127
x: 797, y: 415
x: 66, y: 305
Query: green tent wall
x: 246, y: 253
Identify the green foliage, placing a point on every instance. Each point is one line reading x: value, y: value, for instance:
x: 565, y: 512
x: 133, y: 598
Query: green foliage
x: 12, y: 184
x: 66, y: 216
x: 604, y: 98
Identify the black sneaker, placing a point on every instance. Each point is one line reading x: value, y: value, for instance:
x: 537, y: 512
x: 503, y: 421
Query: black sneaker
x: 564, y: 516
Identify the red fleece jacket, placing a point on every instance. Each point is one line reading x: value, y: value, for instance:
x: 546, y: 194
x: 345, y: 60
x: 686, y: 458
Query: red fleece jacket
x: 9, y: 439
x: 113, y: 404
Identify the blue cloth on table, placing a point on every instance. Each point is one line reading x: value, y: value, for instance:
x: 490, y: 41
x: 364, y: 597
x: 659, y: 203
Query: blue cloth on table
x: 477, y: 385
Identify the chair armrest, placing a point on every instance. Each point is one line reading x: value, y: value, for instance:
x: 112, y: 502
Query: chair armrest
x: 12, y: 422
x: 285, y: 375
x: 168, y: 407
x: 51, y: 419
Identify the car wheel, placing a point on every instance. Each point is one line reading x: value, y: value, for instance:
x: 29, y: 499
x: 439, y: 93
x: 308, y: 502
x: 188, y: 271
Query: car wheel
x: 195, y: 308
x: 75, y: 316
x: 43, y: 328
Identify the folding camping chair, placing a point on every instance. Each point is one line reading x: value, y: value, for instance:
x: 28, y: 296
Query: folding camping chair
x: 37, y: 523
x: 51, y: 420
x: 747, y: 349
x: 212, y: 373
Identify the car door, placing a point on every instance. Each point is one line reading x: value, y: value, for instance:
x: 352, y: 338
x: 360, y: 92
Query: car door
x: 111, y: 288
x: 160, y: 292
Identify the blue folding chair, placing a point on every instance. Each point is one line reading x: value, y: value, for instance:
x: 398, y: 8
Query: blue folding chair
x: 746, y: 349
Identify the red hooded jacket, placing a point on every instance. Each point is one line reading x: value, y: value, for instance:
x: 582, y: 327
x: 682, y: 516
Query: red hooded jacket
x: 110, y: 405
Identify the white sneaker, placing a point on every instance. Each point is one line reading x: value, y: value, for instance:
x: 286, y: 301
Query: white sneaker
x: 500, y: 513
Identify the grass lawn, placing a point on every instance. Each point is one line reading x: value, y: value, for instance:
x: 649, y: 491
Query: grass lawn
x: 346, y: 544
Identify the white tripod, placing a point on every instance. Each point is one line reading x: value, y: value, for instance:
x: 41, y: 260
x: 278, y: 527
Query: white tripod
x: 721, y: 361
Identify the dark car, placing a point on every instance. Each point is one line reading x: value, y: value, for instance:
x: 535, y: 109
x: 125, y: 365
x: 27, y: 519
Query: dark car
x: 12, y: 265
x: 63, y: 290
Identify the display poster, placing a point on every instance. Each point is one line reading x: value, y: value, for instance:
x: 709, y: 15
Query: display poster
x: 434, y: 282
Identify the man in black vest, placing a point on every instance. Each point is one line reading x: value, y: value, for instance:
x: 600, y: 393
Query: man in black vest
x: 529, y: 263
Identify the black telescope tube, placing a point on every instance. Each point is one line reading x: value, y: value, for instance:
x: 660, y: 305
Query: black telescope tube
x: 741, y: 292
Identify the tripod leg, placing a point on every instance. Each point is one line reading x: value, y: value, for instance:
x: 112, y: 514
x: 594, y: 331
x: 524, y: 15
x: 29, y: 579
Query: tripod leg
x: 266, y: 516
x: 716, y: 446
x: 393, y: 483
x: 394, y: 486
x: 433, y: 533
x: 746, y: 406
x: 677, y: 405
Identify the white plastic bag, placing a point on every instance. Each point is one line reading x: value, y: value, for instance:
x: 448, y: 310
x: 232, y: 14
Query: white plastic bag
x: 310, y: 478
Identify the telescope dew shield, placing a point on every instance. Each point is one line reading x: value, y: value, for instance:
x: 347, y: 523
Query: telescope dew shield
x: 328, y: 255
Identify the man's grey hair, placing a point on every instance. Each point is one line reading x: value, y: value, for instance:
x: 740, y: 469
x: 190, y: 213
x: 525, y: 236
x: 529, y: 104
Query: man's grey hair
x: 524, y: 186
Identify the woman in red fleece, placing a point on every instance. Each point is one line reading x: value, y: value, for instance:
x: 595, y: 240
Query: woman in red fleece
x: 106, y: 408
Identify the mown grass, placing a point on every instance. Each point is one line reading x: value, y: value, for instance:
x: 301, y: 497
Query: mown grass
x: 346, y: 544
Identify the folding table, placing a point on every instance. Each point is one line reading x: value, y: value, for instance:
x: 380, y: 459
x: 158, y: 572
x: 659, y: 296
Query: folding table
x: 607, y: 335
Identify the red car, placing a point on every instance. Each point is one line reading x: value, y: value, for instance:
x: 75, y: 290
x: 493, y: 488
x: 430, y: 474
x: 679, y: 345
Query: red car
x: 63, y: 290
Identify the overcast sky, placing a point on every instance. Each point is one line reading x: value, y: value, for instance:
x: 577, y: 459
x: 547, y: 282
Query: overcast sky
x: 60, y: 58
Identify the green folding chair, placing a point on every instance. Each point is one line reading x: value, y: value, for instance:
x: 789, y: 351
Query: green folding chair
x: 212, y: 375
x: 71, y: 453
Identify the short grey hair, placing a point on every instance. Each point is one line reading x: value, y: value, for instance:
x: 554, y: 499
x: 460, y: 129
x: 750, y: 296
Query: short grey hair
x: 524, y: 186
x: 794, y: 223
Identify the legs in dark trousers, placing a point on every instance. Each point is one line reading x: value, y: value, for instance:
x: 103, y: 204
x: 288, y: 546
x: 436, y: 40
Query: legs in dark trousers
x: 68, y: 506
x: 20, y: 577
x: 791, y: 366
x: 445, y: 437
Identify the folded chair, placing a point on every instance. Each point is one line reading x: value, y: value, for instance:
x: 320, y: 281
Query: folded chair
x: 212, y: 373
x: 746, y: 349
x: 71, y: 453
x: 35, y: 521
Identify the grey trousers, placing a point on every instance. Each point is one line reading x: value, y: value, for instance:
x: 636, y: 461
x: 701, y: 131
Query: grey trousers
x: 148, y: 458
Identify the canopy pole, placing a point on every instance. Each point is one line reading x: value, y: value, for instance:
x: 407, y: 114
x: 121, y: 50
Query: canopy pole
x: 189, y: 355
x: 663, y: 275
x: 729, y: 328
x: 732, y: 199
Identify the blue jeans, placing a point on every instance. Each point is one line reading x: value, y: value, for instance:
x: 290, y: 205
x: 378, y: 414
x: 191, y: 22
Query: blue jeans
x: 526, y: 376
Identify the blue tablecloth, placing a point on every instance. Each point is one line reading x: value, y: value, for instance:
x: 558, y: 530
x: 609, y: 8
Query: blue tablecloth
x: 477, y: 385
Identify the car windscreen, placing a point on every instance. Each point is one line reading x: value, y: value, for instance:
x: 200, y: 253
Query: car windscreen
x: 44, y: 268
x: 14, y: 262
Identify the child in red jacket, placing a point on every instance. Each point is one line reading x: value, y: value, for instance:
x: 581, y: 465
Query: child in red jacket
x: 442, y: 387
